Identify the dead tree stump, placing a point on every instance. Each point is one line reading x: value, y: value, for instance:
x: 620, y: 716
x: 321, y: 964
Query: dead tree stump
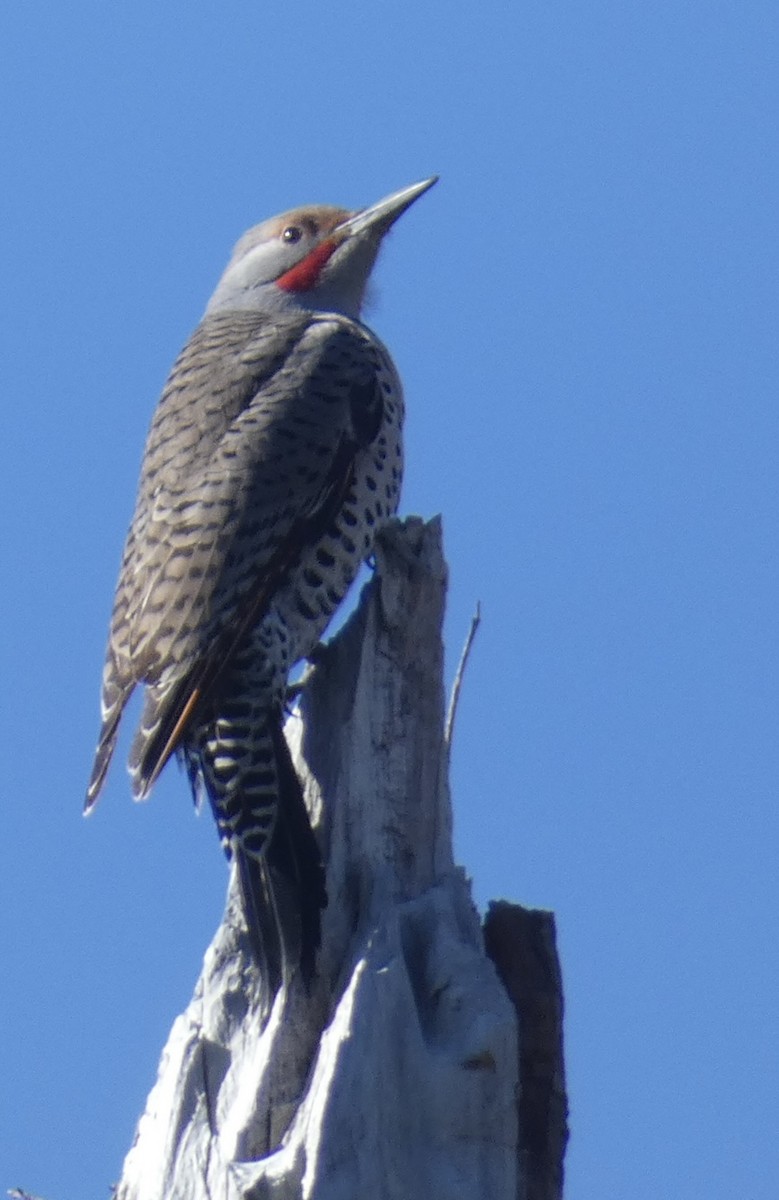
x: 405, y: 1074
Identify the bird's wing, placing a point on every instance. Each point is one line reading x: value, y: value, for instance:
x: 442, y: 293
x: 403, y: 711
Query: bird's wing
x: 219, y: 525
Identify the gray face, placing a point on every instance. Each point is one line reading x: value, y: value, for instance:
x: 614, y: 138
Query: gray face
x: 269, y: 251
x: 318, y: 257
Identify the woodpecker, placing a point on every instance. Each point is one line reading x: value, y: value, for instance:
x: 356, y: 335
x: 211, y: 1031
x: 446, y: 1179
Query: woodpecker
x: 273, y: 457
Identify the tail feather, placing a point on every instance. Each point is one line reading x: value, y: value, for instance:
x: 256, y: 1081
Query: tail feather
x: 294, y: 857
x: 282, y: 879
x: 283, y: 891
x: 269, y: 934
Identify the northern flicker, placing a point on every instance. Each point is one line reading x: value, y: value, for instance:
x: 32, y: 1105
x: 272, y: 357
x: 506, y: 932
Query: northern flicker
x: 273, y: 456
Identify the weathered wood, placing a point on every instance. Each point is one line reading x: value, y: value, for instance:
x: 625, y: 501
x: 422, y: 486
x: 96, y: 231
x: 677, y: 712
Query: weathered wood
x: 522, y: 944
x: 396, y: 1077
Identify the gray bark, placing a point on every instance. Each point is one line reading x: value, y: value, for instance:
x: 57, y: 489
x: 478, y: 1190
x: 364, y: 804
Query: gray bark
x: 398, y: 1076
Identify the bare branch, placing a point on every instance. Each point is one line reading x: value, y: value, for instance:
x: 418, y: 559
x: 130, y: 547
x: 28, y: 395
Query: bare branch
x: 458, y: 679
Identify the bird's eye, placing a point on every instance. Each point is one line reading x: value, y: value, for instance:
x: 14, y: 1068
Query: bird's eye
x: 293, y: 233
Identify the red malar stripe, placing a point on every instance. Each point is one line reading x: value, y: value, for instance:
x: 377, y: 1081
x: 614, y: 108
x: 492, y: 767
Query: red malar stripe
x: 304, y: 275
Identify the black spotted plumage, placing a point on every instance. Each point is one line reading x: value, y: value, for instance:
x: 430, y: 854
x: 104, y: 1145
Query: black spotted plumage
x: 257, y: 495
x: 273, y: 456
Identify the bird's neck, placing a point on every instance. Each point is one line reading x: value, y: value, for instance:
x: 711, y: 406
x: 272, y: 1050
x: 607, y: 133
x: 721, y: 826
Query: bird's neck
x: 276, y: 301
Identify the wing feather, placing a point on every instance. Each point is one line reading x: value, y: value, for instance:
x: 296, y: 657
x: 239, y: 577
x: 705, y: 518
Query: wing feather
x: 249, y: 458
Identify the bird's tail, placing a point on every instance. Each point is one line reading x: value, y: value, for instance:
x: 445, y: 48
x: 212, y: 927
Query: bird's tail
x: 283, y: 889
x: 281, y: 877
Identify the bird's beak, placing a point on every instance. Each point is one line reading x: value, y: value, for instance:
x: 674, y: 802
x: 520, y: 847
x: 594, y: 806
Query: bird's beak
x: 378, y: 217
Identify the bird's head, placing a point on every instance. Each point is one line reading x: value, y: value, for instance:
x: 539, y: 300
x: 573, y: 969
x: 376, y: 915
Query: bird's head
x: 317, y: 257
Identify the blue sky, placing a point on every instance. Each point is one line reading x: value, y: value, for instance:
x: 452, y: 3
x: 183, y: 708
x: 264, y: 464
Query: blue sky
x: 584, y: 312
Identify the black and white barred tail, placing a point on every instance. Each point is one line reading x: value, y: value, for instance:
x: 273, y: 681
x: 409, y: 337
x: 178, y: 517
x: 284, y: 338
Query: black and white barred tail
x: 241, y: 761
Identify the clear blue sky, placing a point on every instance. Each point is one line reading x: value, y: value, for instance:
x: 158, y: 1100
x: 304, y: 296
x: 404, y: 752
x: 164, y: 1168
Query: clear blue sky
x: 584, y: 312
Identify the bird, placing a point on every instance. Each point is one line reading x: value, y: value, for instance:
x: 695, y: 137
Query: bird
x: 273, y: 457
